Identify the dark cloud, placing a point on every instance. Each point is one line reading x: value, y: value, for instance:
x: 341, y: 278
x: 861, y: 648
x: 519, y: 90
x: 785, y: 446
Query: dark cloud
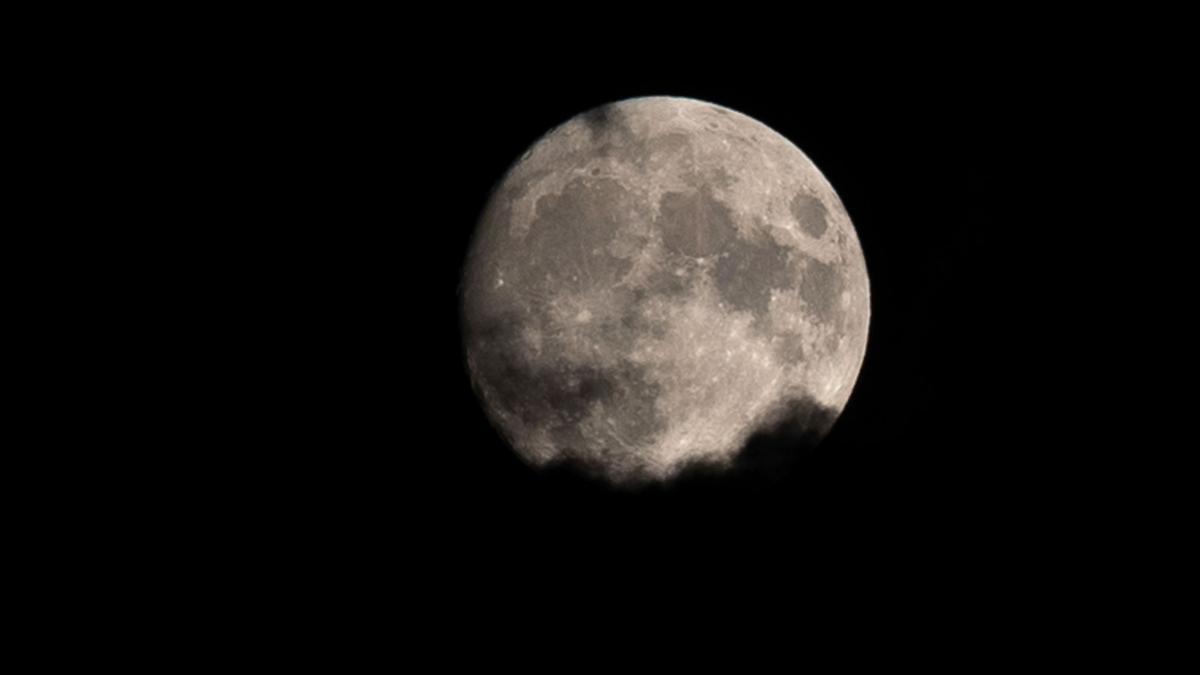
x: 771, y: 454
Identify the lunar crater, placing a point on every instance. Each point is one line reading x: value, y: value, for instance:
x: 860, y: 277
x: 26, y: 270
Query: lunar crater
x: 810, y: 213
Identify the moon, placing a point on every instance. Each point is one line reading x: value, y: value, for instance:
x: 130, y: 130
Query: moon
x: 654, y: 282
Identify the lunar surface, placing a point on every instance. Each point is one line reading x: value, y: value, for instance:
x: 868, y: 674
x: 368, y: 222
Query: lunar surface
x: 655, y: 281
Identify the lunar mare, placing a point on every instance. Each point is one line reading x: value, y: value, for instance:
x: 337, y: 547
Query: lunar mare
x: 654, y: 281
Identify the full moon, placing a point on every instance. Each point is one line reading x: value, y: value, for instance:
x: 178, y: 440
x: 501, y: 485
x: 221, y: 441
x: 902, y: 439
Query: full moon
x: 655, y: 281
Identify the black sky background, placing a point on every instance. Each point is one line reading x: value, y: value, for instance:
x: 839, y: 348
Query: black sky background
x: 918, y: 461
x: 288, y: 201
x: 382, y: 451
x: 290, y: 196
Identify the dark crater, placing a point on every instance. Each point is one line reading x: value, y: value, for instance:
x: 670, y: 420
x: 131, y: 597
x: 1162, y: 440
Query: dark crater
x: 810, y: 213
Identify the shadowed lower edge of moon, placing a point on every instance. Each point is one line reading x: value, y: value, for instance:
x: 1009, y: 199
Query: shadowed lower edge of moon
x: 769, y: 455
x: 541, y: 397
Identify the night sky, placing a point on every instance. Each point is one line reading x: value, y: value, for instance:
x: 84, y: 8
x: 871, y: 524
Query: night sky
x: 288, y: 196
x: 936, y: 453
x: 914, y: 452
